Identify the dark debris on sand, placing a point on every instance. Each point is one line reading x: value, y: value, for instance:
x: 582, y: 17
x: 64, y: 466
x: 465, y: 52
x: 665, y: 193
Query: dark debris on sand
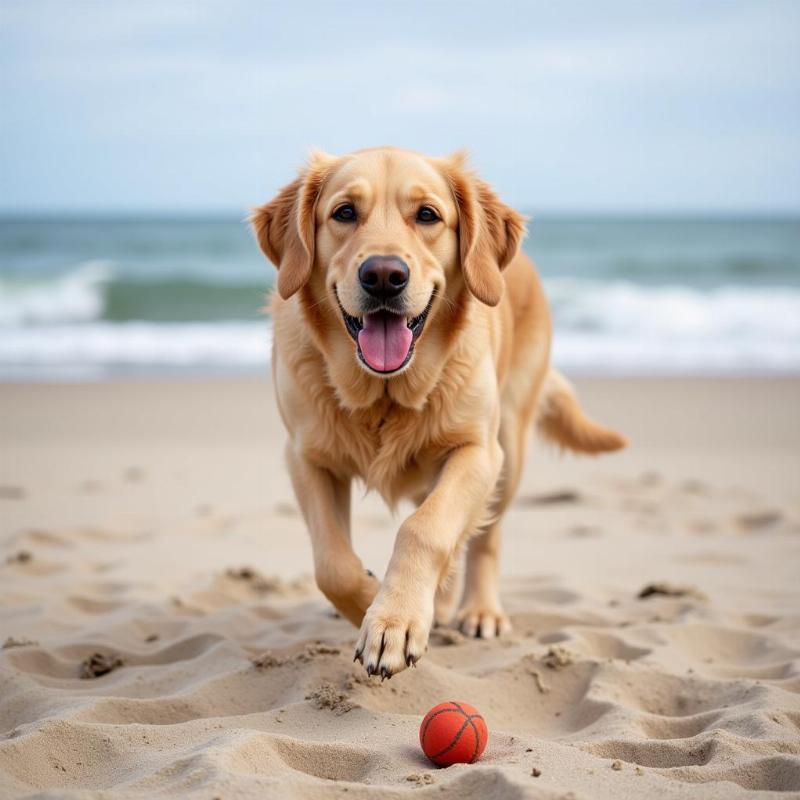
x: 99, y: 664
x: 759, y: 520
x: 663, y: 589
x: 557, y: 658
x: 20, y: 557
x: 11, y: 641
x: 564, y: 496
x: 262, y: 583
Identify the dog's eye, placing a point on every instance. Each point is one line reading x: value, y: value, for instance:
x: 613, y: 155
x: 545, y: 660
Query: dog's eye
x: 345, y: 213
x: 427, y: 215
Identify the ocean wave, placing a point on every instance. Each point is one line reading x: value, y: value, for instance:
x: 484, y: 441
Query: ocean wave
x: 94, y: 291
x: 74, y: 296
x: 87, y: 319
x: 608, y: 354
x: 669, y: 312
x: 622, y: 327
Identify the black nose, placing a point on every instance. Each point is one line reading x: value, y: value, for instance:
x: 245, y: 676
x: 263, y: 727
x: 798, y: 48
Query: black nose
x: 383, y: 276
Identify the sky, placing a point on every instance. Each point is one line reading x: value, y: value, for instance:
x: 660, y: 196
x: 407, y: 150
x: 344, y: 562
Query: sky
x: 594, y: 106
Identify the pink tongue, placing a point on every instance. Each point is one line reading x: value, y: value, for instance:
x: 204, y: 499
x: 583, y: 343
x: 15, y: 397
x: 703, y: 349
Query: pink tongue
x: 385, y: 341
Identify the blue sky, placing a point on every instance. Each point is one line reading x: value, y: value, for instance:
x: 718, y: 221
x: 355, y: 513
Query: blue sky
x: 570, y: 106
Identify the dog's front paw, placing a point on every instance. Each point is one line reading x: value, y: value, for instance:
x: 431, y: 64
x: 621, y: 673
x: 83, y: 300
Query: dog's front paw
x: 483, y: 620
x: 394, y: 635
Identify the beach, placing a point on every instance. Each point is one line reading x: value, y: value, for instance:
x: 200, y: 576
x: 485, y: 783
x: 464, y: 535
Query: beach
x: 164, y: 637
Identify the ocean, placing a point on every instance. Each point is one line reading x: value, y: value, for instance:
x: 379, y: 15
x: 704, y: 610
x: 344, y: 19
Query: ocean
x: 87, y: 298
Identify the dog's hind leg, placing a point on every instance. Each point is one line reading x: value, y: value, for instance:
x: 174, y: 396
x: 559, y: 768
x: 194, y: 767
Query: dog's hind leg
x: 481, y: 613
x: 449, y: 592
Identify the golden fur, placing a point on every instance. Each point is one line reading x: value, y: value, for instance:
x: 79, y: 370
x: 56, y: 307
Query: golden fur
x: 449, y: 429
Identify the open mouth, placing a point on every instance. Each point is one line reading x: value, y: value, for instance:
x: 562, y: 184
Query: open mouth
x: 385, y: 339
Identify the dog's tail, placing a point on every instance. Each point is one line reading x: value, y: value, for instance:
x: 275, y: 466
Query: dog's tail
x: 562, y: 421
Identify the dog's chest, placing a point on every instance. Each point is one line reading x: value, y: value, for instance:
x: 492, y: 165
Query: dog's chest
x: 393, y: 449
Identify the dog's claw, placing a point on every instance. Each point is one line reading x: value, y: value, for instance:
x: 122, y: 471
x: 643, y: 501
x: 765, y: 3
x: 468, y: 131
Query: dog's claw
x: 370, y: 670
x: 359, y: 656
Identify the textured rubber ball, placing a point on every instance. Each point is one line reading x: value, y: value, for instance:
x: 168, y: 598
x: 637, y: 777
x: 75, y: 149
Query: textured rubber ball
x: 453, y: 733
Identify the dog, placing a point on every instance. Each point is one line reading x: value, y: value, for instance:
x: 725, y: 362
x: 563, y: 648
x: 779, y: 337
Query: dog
x: 411, y: 351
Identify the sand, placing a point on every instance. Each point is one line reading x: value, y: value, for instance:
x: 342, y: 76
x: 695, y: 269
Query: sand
x: 164, y: 637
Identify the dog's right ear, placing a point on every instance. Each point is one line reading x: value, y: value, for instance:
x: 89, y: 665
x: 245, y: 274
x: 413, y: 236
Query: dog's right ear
x: 285, y: 227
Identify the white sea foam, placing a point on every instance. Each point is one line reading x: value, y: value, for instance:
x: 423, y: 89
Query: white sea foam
x: 75, y: 296
x: 631, y: 309
x: 74, y: 348
x: 625, y: 327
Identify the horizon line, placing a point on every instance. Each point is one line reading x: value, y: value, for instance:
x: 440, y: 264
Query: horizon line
x: 550, y: 213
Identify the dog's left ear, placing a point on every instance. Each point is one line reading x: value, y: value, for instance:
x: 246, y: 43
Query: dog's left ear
x: 285, y: 227
x: 489, y: 233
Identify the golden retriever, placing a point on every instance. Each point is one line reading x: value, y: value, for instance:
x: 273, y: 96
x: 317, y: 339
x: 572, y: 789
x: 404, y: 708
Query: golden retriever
x: 411, y: 351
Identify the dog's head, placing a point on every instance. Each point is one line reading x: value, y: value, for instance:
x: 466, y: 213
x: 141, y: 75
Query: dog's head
x: 386, y: 238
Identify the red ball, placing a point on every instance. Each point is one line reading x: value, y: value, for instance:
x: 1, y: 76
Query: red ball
x: 453, y: 733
